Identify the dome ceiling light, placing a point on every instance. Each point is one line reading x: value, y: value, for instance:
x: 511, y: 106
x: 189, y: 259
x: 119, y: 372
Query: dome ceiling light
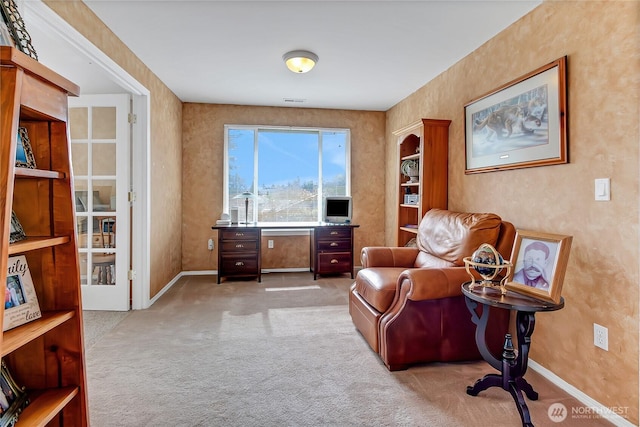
x: 300, y: 61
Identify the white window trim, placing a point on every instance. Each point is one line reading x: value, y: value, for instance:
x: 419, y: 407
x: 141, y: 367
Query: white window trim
x: 225, y: 171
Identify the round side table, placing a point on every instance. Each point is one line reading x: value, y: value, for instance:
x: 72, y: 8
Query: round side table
x: 512, y: 365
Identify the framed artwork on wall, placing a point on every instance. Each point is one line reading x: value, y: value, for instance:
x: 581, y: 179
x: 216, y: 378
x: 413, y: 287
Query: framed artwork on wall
x: 540, y: 261
x: 520, y: 124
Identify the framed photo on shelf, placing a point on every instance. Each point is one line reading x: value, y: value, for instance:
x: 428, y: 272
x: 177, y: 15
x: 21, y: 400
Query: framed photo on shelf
x: 520, y: 124
x: 13, y: 398
x: 24, y: 153
x: 540, y: 261
x: 16, y: 233
x: 20, y: 299
x: 16, y: 27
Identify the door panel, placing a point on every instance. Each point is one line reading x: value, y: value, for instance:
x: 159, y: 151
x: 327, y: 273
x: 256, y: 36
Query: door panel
x: 100, y: 137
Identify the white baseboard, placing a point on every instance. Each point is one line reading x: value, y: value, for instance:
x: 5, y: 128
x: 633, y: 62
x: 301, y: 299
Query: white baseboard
x: 591, y: 405
x: 199, y: 273
x: 164, y: 289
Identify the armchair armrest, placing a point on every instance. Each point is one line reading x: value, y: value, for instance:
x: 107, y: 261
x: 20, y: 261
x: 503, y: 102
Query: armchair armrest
x: 381, y: 256
x: 419, y: 284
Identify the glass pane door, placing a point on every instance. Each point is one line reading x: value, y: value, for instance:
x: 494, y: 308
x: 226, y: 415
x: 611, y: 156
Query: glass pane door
x: 99, y: 138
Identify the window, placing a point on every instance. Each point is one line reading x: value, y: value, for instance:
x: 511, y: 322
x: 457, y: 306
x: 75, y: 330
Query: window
x: 281, y: 174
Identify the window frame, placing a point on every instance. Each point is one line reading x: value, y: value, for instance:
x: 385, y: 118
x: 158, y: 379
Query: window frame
x: 257, y: 129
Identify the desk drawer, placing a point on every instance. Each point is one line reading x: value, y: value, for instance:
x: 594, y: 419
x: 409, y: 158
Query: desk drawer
x: 240, y: 234
x: 334, y: 246
x: 334, y: 263
x: 238, y: 264
x: 239, y: 245
x: 334, y: 233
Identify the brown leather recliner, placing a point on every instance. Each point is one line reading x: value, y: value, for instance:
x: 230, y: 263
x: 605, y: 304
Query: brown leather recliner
x: 407, y: 301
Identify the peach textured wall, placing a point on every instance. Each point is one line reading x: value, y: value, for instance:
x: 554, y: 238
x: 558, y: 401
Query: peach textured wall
x: 601, y: 284
x: 203, y: 150
x: 166, y: 148
x: 601, y: 40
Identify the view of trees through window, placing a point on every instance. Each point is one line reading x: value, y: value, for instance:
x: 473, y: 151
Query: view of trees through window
x: 282, y: 174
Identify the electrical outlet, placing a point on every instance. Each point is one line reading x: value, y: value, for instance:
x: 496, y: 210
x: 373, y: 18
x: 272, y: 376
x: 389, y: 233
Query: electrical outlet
x: 270, y: 244
x: 210, y: 244
x: 601, y: 337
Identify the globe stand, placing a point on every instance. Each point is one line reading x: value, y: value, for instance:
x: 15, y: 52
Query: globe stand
x: 488, y: 263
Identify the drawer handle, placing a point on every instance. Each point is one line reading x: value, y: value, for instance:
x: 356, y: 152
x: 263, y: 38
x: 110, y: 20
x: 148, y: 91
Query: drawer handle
x: 334, y: 261
x: 239, y: 245
x: 333, y: 244
x: 334, y: 233
x: 239, y: 234
x: 239, y: 263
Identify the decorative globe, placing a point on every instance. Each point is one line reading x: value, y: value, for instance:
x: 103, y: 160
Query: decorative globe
x: 487, y: 261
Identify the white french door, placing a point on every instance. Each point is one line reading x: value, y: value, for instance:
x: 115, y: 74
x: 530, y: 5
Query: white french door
x: 100, y: 146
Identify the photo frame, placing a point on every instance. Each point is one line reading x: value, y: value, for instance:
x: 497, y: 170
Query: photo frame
x: 13, y: 398
x: 24, y: 153
x: 20, y: 301
x: 16, y: 233
x: 539, y: 264
x: 16, y: 27
x: 520, y: 124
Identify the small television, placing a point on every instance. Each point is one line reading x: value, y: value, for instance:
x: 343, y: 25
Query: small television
x: 337, y: 209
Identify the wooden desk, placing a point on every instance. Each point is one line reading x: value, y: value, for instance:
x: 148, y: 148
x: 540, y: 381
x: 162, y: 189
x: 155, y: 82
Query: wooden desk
x: 512, y: 366
x: 239, y: 246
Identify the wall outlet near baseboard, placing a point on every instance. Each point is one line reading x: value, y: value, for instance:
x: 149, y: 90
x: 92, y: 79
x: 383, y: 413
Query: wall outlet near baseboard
x: 210, y: 244
x: 601, y: 336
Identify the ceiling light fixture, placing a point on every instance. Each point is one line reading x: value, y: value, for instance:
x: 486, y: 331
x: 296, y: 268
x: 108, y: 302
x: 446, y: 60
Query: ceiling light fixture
x: 300, y: 61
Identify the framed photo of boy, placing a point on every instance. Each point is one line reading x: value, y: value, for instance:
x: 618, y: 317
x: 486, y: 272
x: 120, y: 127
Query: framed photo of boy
x: 13, y: 398
x: 20, y: 299
x: 539, y: 264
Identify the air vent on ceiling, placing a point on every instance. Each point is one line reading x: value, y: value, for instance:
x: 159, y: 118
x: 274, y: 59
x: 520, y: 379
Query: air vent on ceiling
x: 294, y: 100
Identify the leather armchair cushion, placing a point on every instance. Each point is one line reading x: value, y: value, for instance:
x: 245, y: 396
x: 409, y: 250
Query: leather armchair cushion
x: 377, y: 286
x: 451, y: 236
x: 383, y: 256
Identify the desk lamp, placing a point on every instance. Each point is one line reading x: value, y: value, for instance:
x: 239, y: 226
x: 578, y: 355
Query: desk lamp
x: 247, y: 195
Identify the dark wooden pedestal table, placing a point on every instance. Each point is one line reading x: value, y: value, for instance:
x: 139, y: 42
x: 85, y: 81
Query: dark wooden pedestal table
x: 512, y: 365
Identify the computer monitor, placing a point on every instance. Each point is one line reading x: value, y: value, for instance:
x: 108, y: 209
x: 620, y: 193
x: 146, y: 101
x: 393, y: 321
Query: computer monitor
x: 337, y: 209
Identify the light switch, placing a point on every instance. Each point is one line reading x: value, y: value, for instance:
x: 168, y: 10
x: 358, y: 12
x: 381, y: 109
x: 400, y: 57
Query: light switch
x: 603, y: 189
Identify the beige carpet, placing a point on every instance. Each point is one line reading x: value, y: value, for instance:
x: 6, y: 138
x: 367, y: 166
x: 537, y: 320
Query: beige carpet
x: 280, y: 353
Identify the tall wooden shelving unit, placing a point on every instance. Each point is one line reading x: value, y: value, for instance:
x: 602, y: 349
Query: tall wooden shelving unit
x: 428, y: 142
x: 45, y: 355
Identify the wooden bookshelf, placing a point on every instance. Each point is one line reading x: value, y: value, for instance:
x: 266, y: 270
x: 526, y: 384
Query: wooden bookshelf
x: 426, y: 141
x: 46, y: 355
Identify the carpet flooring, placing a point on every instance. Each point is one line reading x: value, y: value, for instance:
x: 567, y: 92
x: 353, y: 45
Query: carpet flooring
x: 280, y: 353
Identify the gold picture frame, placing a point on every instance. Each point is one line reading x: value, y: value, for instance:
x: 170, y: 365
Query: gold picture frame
x: 17, y: 232
x: 13, y: 398
x: 24, y: 153
x: 16, y: 27
x: 539, y: 264
x: 21, y: 301
x: 521, y: 124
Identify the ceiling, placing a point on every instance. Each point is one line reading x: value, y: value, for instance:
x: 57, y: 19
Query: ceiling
x: 372, y: 54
